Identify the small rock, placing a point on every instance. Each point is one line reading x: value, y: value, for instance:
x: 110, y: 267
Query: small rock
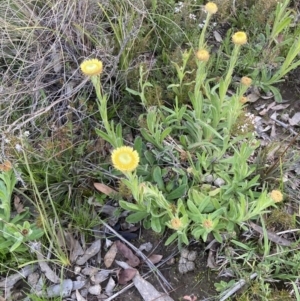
x: 219, y: 182
x: 77, y: 270
x: 192, y: 256
x: 209, y: 179
x: 190, y: 266
x: 184, y: 253
x: 182, y: 269
x: 182, y: 260
x: 95, y: 289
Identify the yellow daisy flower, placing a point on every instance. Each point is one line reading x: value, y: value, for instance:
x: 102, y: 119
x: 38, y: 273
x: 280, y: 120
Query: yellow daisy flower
x: 239, y: 38
x: 202, y: 55
x: 211, y: 8
x: 125, y: 158
x: 91, y: 67
x: 276, y: 196
x: 246, y: 81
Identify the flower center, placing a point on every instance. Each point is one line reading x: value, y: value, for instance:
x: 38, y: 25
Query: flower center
x: 91, y: 66
x: 125, y: 158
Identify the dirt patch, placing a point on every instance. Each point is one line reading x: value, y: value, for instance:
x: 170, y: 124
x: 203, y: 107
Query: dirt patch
x: 199, y: 282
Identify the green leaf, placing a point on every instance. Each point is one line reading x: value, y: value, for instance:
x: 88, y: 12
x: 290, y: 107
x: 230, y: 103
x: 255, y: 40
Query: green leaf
x: 138, y: 145
x: 17, y: 243
x: 130, y: 206
x: 136, y: 217
x: 171, y: 238
x: 177, y: 193
x: 149, y: 157
x: 156, y: 225
x: 157, y: 177
x: 193, y: 208
x: 165, y: 133
x: 105, y: 136
x: 133, y: 92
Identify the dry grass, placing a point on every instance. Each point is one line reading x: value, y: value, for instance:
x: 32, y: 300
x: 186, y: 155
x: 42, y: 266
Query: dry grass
x: 42, y: 45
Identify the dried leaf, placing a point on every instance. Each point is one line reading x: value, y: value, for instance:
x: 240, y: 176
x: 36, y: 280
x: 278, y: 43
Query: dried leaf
x: 253, y: 97
x: 95, y: 289
x: 45, y: 268
x: 18, y: 205
x: 89, y: 271
x: 90, y: 252
x: 295, y: 120
x: 109, y: 289
x: 100, y: 276
x: 217, y: 36
x: 145, y: 288
x: 74, y: 246
x: 63, y: 289
x: 280, y: 107
x: 11, y: 280
x: 211, y: 263
x: 110, y: 255
x: 133, y: 260
x: 271, y: 235
x: 104, y: 189
x: 265, y: 111
x: 126, y: 275
x: 79, y: 297
x: 155, y: 258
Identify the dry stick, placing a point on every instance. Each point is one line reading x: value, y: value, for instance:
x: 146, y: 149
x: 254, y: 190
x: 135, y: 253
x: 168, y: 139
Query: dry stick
x: 236, y: 287
x: 286, y: 126
x: 143, y: 256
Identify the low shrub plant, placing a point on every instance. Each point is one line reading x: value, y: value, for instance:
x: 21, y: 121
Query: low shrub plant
x: 197, y: 141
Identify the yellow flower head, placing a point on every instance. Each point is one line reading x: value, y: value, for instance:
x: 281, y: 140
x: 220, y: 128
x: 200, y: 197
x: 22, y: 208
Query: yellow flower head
x: 276, y: 196
x: 211, y: 8
x: 202, y: 55
x: 5, y: 166
x: 176, y: 223
x: 239, y: 38
x: 91, y: 67
x: 125, y: 158
x: 246, y: 81
x: 207, y: 224
x: 243, y: 99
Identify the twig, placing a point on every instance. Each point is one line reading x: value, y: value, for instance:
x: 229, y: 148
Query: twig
x: 143, y: 256
x: 236, y: 287
x: 286, y: 126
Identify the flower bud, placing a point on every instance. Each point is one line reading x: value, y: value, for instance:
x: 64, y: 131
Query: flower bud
x: 211, y: 8
x: 202, y: 55
x: 239, y: 38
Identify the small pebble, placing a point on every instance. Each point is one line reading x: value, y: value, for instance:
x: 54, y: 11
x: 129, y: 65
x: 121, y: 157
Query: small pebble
x: 209, y: 179
x: 219, y: 182
x: 182, y: 260
x: 184, y: 253
x: 182, y: 269
x: 192, y: 256
x: 190, y: 266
